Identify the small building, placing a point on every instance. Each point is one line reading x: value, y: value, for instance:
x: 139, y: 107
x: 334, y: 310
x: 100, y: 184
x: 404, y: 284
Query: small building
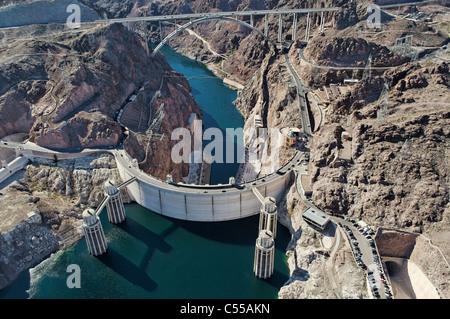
x: 290, y: 139
x: 350, y: 81
x: 289, y: 136
x: 258, y: 121
x: 316, y: 217
x: 306, y: 185
x: 346, y: 136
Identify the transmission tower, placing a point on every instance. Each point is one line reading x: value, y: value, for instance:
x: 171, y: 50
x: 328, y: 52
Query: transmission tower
x: 354, y: 73
x: 65, y: 75
x: 384, y: 103
x: 156, y: 124
x: 404, y: 146
x: 368, y: 70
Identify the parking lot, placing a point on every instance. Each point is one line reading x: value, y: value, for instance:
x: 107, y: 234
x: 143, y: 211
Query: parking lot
x: 366, y: 256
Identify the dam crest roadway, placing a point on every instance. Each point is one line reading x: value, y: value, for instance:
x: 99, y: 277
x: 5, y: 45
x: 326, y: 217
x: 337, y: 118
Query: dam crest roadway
x: 177, y: 200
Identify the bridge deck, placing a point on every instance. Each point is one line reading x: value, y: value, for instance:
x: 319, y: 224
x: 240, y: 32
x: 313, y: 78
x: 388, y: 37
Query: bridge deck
x: 218, y: 14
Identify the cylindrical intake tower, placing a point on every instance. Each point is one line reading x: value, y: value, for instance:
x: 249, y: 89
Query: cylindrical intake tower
x: 268, y: 216
x: 114, y: 207
x: 264, y: 255
x: 93, y: 231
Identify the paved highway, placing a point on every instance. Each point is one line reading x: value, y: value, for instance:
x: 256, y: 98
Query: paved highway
x: 302, y: 90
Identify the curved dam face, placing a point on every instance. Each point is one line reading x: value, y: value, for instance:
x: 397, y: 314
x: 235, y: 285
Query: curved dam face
x: 205, y: 204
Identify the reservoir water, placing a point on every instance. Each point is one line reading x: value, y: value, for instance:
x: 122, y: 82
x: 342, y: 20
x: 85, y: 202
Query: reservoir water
x: 152, y: 256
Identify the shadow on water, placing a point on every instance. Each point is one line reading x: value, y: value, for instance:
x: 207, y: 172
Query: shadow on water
x: 151, y: 240
x: 19, y: 289
x: 278, y: 279
x: 117, y: 261
x: 127, y: 270
x: 221, y: 171
x: 138, y: 231
x: 231, y: 232
x: 195, y: 92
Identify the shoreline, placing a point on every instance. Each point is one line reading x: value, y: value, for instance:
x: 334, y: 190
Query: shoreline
x: 233, y: 84
x: 227, y: 82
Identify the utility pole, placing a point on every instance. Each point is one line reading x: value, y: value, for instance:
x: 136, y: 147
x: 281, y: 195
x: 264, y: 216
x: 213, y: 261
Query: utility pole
x: 368, y: 70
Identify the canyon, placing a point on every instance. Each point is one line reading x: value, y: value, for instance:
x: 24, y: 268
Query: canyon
x: 397, y: 175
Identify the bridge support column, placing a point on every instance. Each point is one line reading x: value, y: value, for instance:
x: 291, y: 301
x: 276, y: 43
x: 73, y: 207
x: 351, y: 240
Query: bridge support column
x: 266, y: 25
x: 114, y: 207
x: 308, y: 27
x: 93, y: 232
x: 263, y: 265
x: 322, y: 22
x: 147, y: 50
x: 280, y: 28
x: 268, y: 216
x: 252, y: 21
x: 294, y: 27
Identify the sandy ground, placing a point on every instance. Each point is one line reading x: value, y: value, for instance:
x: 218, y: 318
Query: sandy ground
x: 15, y: 205
x: 408, y: 280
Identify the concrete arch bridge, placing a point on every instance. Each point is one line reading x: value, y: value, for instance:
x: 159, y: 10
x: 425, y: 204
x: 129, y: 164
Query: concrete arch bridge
x: 240, y: 17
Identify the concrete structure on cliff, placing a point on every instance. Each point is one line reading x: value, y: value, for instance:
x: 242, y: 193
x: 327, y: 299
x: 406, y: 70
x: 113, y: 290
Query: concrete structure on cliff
x: 268, y: 216
x: 211, y: 203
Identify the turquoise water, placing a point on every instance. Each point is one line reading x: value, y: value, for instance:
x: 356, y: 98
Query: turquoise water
x: 216, y: 102
x: 152, y: 256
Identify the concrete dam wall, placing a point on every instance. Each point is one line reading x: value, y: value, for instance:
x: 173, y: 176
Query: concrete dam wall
x: 207, y: 204
x: 204, y: 203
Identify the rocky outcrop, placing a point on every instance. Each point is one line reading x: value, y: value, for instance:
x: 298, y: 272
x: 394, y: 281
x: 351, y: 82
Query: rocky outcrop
x: 350, y: 52
x: 24, y: 246
x: 315, y: 273
x: 84, y: 130
x: 347, y: 16
x: 79, y: 180
x: 66, y: 93
x: 43, y: 210
x: 393, y: 164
